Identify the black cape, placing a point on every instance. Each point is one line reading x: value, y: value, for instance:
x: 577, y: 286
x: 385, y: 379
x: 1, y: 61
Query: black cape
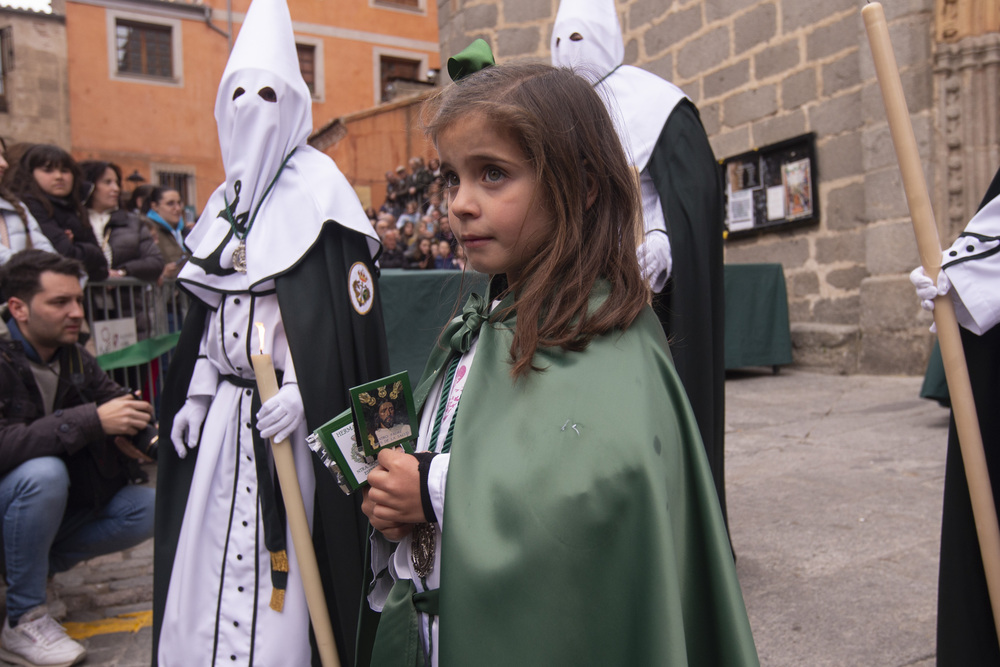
x: 691, y: 307
x: 338, y: 349
x: 966, y: 633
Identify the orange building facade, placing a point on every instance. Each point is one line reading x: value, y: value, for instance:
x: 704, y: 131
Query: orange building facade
x: 143, y: 75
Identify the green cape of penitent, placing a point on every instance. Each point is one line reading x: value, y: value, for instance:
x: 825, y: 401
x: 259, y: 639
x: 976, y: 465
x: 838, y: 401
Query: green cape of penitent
x: 581, y: 522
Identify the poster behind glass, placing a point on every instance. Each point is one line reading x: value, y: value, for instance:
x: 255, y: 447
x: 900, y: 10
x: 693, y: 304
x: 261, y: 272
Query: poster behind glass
x: 772, y: 187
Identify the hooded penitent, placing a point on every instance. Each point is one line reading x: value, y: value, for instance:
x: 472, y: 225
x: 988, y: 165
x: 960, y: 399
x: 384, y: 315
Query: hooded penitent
x: 682, y: 203
x: 264, y: 114
x: 587, y: 38
x: 284, y: 242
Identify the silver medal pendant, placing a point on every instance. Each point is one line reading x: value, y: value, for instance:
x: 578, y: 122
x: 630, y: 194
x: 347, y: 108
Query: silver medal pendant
x: 423, y: 549
x: 240, y: 257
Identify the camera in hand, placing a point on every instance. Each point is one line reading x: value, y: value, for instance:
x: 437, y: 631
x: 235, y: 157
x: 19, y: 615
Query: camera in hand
x: 146, y: 440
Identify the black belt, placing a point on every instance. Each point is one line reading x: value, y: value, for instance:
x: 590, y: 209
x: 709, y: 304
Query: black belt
x: 240, y: 382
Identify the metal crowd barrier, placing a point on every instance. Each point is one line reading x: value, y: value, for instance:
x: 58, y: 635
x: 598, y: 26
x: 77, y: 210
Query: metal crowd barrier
x: 134, y: 326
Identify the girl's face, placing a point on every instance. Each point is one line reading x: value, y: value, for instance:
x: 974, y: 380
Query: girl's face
x: 408, y: 229
x: 425, y: 246
x: 169, y: 207
x: 54, y: 180
x: 106, y: 191
x: 493, y: 198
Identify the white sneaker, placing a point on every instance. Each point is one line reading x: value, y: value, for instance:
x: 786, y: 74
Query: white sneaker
x: 38, y: 641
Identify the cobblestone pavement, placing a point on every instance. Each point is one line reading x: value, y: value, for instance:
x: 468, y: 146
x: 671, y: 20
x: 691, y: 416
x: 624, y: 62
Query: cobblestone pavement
x: 834, y: 492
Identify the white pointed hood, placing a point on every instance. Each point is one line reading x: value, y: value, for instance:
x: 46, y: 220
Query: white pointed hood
x: 587, y: 38
x: 264, y: 112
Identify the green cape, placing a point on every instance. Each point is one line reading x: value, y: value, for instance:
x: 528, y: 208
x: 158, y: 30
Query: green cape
x: 582, y: 525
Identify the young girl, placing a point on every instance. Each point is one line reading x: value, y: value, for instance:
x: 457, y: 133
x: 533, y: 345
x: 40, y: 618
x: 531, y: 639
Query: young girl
x: 47, y: 181
x: 582, y: 524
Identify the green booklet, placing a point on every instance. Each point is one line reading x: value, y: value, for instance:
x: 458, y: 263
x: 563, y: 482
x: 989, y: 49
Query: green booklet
x: 382, y: 412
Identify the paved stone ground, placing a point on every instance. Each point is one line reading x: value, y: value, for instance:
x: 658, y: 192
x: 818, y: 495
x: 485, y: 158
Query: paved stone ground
x: 834, y: 487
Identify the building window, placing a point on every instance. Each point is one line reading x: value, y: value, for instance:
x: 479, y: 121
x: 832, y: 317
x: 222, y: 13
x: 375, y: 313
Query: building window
x: 394, y: 70
x: 144, y: 49
x: 409, y: 5
x: 177, y: 180
x: 6, y: 64
x: 307, y: 65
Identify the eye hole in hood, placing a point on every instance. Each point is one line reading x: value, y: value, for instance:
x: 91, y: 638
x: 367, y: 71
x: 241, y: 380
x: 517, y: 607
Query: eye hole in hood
x: 267, y: 94
x: 238, y: 92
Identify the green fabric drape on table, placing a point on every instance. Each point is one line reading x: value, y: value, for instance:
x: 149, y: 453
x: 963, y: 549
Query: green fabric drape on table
x: 139, y: 353
x: 416, y: 305
x: 935, y: 385
x: 757, y: 332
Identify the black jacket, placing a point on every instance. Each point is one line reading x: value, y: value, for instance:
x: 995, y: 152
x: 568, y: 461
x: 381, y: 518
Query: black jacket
x: 64, y: 217
x: 72, y: 431
x: 132, y: 247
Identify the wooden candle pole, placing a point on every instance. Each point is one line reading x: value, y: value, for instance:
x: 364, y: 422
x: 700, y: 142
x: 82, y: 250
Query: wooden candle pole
x: 929, y: 246
x: 298, y: 525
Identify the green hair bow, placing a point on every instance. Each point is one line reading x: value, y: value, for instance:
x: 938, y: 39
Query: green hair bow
x: 471, y: 59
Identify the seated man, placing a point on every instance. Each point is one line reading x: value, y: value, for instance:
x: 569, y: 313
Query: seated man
x: 64, y: 494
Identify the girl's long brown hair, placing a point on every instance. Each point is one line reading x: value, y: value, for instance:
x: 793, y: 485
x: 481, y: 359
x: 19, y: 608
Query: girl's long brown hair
x: 567, y: 137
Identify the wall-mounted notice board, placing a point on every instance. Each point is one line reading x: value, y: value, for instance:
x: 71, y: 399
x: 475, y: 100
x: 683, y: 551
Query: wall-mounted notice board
x: 773, y: 187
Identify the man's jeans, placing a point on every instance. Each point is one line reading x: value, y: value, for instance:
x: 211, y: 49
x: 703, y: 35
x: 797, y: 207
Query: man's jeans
x: 41, y: 536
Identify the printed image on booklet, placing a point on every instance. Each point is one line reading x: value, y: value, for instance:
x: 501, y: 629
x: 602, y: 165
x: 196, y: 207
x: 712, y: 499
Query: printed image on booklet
x: 384, y: 412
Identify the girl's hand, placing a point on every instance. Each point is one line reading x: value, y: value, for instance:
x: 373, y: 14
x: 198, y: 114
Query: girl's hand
x: 392, y: 531
x: 395, y: 488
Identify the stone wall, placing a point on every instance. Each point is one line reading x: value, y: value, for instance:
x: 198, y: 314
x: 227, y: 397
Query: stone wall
x: 38, y: 90
x: 766, y: 70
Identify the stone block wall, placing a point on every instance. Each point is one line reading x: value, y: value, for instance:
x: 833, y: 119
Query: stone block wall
x: 37, y: 86
x: 765, y: 70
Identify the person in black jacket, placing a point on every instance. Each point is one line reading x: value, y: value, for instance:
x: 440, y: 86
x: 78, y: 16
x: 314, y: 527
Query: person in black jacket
x: 49, y: 182
x: 127, y: 244
x: 64, y: 496
x: 124, y: 238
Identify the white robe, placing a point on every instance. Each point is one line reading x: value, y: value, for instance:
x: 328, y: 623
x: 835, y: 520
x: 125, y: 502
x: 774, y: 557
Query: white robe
x: 973, y: 266
x: 220, y: 587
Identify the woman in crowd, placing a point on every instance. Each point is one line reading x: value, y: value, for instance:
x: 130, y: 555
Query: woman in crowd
x: 48, y: 182
x: 408, y: 235
x: 18, y: 229
x: 124, y: 239
x: 138, y: 198
x: 444, y: 258
x: 421, y: 256
x: 164, y: 208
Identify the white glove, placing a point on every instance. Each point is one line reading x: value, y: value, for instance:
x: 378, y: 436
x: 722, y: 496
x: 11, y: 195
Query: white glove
x: 926, y: 289
x: 282, y: 414
x: 186, y: 431
x: 655, y: 260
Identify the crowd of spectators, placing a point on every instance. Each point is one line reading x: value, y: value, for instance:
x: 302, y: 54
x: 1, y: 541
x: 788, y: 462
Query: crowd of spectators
x: 413, y: 223
x: 50, y: 202
x: 71, y: 438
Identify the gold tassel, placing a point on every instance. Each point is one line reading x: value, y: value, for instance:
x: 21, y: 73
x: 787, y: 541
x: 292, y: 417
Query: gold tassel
x: 277, y: 599
x: 279, y: 561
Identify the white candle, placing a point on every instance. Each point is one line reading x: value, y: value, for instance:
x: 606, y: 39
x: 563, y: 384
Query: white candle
x: 295, y: 513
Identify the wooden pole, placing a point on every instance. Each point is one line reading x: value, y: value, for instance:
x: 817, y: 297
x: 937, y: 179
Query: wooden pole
x: 929, y: 246
x: 298, y: 525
